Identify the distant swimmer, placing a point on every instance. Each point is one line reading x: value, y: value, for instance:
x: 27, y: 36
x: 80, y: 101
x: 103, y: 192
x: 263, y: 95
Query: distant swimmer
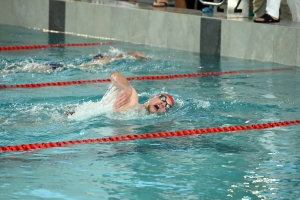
x: 99, y: 58
x: 120, y: 97
x: 35, y: 67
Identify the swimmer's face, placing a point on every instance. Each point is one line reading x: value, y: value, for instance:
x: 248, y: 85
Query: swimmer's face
x: 160, y: 103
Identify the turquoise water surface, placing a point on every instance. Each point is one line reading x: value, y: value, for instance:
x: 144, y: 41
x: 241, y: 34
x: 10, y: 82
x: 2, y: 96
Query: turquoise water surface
x: 250, y: 164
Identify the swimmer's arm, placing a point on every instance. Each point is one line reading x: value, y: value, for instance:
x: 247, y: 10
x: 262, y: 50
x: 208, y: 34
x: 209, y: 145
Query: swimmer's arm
x: 134, y: 54
x: 87, y: 64
x: 137, y: 55
x: 128, y: 97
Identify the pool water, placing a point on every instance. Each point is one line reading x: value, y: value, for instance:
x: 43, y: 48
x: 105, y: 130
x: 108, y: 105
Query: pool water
x: 250, y: 164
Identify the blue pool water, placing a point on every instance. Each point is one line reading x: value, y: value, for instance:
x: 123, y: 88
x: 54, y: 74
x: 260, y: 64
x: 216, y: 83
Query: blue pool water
x: 251, y: 164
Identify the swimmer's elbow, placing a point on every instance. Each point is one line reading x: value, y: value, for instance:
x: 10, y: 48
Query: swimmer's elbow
x: 116, y: 75
x: 113, y: 74
x: 119, y: 80
x: 116, y: 78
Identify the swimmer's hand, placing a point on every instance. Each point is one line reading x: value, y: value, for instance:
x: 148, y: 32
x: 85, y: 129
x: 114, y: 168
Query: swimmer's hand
x: 123, y: 98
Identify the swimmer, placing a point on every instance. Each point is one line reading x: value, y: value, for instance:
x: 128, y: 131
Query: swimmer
x: 121, y: 96
x: 128, y: 97
x: 101, y: 58
x: 34, y: 67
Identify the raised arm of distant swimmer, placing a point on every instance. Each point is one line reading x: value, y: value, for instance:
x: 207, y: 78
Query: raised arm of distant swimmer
x: 101, y: 58
x: 134, y: 54
x: 137, y: 55
x: 128, y: 97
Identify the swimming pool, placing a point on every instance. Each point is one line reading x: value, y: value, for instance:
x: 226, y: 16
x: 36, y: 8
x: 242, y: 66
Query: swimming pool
x: 250, y: 164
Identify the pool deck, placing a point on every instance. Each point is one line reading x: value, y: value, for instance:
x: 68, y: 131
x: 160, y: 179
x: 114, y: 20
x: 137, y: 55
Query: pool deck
x: 170, y: 27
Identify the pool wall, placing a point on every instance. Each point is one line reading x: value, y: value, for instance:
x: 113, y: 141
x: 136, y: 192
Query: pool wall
x: 170, y: 27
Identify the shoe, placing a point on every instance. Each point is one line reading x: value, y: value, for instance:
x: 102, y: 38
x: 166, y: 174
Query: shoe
x: 267, y: 19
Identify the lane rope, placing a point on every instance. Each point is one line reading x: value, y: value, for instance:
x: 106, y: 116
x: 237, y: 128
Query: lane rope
x: 41, y: 46
x: 154, y: 77
x: 178, y: 133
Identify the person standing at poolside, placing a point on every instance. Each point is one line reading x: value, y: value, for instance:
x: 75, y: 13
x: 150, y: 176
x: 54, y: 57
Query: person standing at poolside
x: 273, y: 11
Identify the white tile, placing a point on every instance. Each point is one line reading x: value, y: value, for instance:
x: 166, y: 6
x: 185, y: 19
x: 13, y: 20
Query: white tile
x: 298, y: 49
x: 70, y: 17
x: 177, y: 31
x: 193, y: 33
x: 5, y: 12
x: 285, y: 45
x: 102, y: 21
x: 240, y: 39
x: 225, y: 38
x: 138, y: 30
x: 38, y: 14
x: 19, y: 10
x: 120, y: 23
x: 85, y: 18
x: 261, y: 46
x: 157, y: 30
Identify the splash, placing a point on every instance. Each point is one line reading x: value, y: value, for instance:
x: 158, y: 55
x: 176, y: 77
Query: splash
x: 29, y: 65
x: 92, y: 109
x: 114, y: 52
x: 104, y: 107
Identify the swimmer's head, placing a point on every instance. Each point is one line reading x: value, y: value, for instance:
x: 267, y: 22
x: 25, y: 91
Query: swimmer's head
x: 98, y: 56
x: 159, y: 103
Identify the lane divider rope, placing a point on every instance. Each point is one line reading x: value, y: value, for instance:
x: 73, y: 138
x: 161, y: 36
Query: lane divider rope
x: 154, y: 77
x: 40, y: 46
x: 178, y: 133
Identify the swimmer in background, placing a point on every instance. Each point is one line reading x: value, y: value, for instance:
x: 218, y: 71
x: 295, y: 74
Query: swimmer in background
x: 99, y: 58
x: 96, y: 59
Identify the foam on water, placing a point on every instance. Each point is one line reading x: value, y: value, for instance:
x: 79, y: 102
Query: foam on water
x: 104, y: 107
x: 92, y: 109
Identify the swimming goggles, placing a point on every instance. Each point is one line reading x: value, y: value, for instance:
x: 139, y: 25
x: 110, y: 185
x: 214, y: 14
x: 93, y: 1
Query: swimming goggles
x: 163, y: 98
